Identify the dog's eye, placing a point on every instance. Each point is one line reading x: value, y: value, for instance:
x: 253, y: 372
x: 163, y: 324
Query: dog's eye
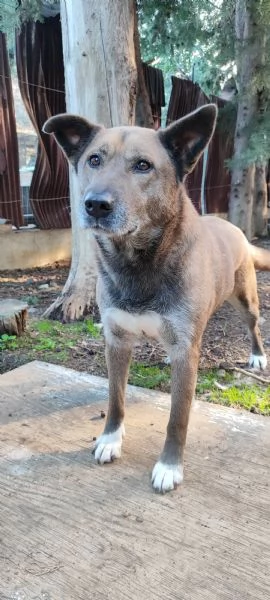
x: 94, y: 160
x: 143, y: 165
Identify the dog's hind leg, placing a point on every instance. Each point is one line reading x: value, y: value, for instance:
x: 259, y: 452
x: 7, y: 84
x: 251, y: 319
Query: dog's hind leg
x: 108, y: 445
x: 245, y: 299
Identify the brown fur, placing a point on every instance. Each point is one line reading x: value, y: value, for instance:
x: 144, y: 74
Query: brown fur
x: 163, y: 269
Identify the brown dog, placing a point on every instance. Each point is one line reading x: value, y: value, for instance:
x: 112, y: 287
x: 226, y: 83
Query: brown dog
x: 163, y: 269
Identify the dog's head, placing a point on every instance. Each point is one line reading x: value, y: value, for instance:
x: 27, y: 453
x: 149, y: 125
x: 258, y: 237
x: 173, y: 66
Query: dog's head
x: 129, y: 177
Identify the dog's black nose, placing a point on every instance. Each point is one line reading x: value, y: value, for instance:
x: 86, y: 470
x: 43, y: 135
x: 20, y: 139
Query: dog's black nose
x: 98, y: 205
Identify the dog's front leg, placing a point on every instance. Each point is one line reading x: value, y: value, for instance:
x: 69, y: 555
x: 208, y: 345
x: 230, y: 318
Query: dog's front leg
x: 108, y: 445
x: 168, y: 471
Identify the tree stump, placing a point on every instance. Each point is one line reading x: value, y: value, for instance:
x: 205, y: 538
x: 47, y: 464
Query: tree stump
x: 13, y: 316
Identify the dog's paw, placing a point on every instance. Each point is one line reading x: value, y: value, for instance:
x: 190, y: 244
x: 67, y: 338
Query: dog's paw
x: 257, y: 361
x: 108, y: 446
x: 166, y: 477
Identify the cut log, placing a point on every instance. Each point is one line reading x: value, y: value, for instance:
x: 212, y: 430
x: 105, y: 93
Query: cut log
x: 13, y: 316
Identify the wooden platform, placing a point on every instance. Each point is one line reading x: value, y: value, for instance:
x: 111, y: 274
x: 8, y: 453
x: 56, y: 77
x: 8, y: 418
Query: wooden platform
x: 73, y: 530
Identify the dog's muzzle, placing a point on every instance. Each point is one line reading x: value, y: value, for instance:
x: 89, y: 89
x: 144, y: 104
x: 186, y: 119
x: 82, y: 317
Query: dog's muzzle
x: 98, y: 205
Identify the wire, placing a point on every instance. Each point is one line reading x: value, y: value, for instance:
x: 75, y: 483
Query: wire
x: 189, y: 190
x: 34, y: 200
x: 44, y: 87
x: 51, y: 89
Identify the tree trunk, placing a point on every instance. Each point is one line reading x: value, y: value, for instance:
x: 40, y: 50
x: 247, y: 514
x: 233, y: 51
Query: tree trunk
x: 247, y: 207
x: 242, y: 183
x: 13, y: 316
x: 260, y: 210
x: 101, y: 79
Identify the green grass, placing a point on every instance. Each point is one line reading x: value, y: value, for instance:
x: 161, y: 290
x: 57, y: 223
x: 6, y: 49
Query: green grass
x: 207, y: 379
x: 72, y: 330
x: 251, y: 397
x: 31, y: 300
x: 91, y: 329
x: 8, y: 342
x: 52, y: 341
x: 50, y: 338
x: 148, y: 377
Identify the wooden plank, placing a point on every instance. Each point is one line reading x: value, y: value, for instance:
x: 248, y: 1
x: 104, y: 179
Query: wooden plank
x: 72, y: 530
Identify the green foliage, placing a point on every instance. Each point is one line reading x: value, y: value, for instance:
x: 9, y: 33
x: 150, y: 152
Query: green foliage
x: 92, y: 329
x: 253, y: 398
x: 47, y: 326
x: 53, y: 341
x: 8, y: 342
x: 150, y: 377
x: 255, y: 52
x: 55, y: 329
x: 46, y: 344
x: 191, y: 37
x: 13, y: 13
x: 8, y: 15
x: 50, y: 339
x: 31, y: 300
x: 211, y: 386
x: 30, y: 10
x: 207, y: 380
x: 196, y: 39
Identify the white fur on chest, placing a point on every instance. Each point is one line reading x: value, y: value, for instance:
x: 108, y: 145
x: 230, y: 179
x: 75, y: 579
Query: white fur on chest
x: 146, y: 324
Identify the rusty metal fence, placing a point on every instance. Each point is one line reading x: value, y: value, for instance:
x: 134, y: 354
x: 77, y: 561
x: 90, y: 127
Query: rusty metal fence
x: 40, y: 71
x: 185, y: 97
x: 10, y: 199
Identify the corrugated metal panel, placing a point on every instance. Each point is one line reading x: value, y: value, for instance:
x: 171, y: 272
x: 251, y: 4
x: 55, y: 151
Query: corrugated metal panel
x: 10, y: 202
x: 185, y: 97
x: 218, y: 178
x: 41, y: 79
x: 155, y: 87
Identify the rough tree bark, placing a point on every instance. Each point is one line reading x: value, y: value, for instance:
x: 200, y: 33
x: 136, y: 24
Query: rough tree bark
x: 13, y: 316
x: 242, y: 184
x: 100, y: 74
x: 260, y: 210
x: 248, y: 200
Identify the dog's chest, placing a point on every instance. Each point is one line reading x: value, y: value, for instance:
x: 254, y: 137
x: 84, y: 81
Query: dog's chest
x: 147, y: 324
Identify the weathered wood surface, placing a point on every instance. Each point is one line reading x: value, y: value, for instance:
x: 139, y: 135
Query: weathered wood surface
x: 13, y: 316
x: 72, y: 530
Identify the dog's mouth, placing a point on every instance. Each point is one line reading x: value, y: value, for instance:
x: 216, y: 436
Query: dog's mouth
x: 110, y: 230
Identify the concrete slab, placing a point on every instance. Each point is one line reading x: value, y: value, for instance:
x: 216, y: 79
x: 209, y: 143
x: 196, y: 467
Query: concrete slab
x: 72, y: 530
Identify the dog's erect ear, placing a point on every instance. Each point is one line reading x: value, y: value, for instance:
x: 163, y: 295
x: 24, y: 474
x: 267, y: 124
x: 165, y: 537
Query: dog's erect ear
x: 72, y: 133
x: 187, y: 138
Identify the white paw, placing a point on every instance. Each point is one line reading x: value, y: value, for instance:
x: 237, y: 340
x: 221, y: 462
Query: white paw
x: 166, y: 477
x: 108, y: 446
x: 257, y: 361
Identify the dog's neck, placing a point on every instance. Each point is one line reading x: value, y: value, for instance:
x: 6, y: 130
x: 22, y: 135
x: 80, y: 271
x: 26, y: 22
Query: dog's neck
x: 144, y: 276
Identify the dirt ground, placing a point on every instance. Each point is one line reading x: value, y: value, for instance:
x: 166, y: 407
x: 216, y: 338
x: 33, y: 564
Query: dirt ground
x: 225, y: 343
